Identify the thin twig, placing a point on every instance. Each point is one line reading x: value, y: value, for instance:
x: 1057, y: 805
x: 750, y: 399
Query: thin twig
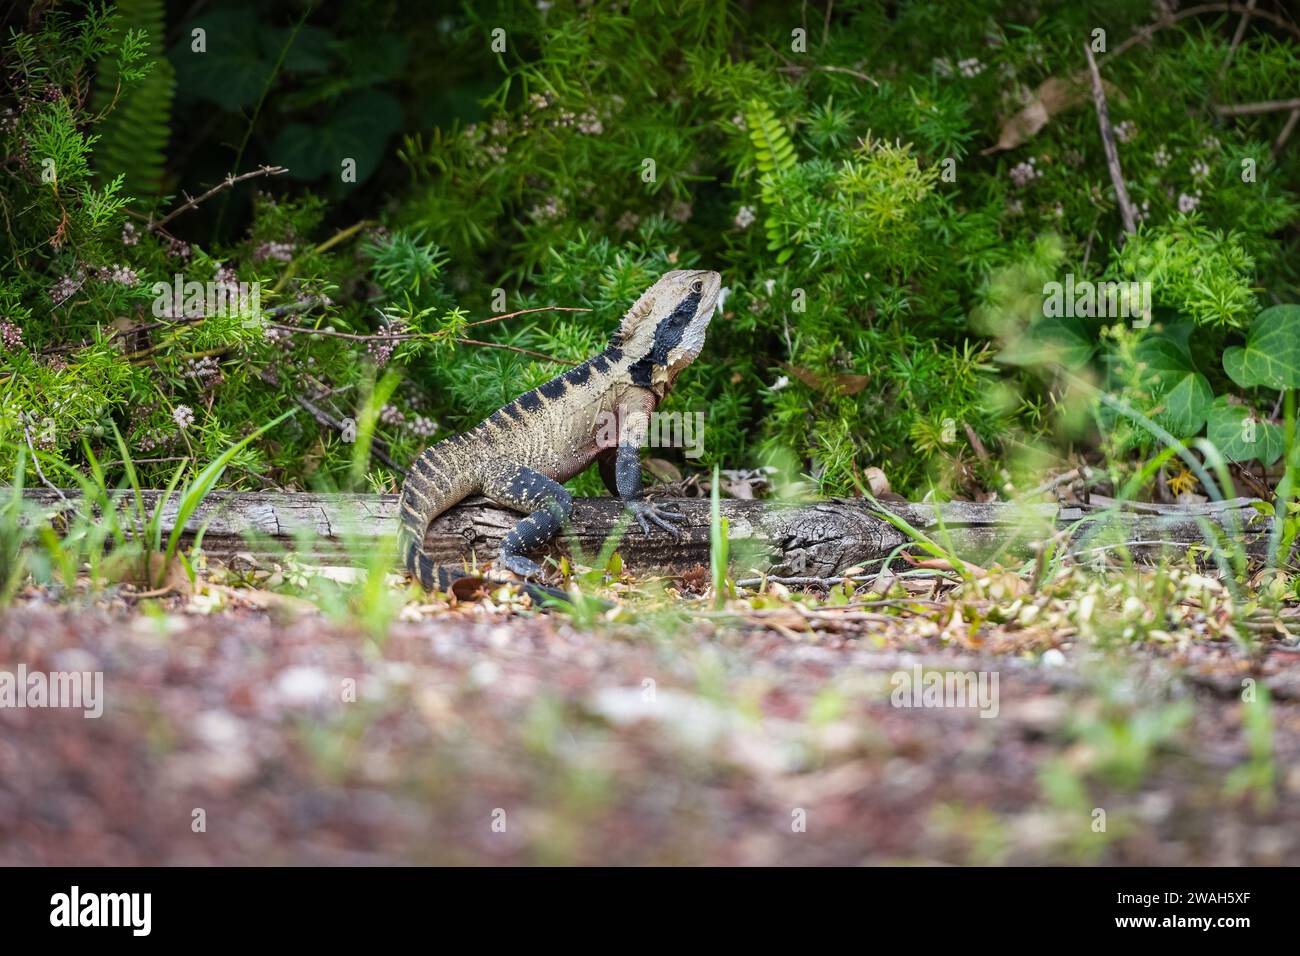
x: 328, y: 244
x: 1087, y: 250
x: 1287, y: 129
x: 511, y: 315
x: 1265, y: 106
x: 37, y: 465
x: 1236, y: 37
x: 309, y: 9
x: 148, y: 461
x: 1146, y: 32
x: 408, y: 336
x: 1083, y: 472
x: 329, y: 421
x: 1108, y: 141
x: 825, y: 68
x: 980, y: 451
x: 230, y: 180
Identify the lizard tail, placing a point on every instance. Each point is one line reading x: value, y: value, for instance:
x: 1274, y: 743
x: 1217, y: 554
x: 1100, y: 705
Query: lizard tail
x: 431, y: 487
x: 427, y: 492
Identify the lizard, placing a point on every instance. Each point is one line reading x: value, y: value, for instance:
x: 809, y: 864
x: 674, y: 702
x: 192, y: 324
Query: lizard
x: 598, y: 412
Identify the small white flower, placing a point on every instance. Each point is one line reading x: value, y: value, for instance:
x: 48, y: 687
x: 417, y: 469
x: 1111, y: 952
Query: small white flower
x: 183, y: 416
x: 280, y: 251
x: 423, y: 426
x: 779, y: 384
x: 745, y: 217
x: 1022, y: 174
x: 1187, y: 203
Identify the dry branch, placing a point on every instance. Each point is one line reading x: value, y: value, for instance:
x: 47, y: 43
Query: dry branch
x: 192, y: 202
x: 1108, y: 142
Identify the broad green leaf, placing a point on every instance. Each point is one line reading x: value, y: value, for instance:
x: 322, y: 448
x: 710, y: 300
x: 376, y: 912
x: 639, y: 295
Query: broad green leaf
x: 1184, y: 393
x: 1271, y: 356
x: 309, y: 52
x: 235, y: 67
x: 1238, y: 440
x: 1164, y: 358
x: 1186, y: 405
x: 357, y: 129
x: 1053, y: 341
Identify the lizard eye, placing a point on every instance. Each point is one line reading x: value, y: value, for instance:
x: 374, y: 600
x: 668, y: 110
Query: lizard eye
x: 697, y: 286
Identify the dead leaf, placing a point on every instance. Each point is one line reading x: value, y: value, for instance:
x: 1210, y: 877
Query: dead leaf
x: 468, y: 588
x: 1054, y: 95
x: 845, y: 383
x: 877, y: 482
x: 662, y: 469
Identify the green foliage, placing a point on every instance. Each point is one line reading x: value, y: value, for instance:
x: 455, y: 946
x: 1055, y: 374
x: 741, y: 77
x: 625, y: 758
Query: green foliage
x: 885, y: 267
x: 1202, y: 274
x: 134, y: 89
x: 1271, y: 355
x: 718, y: 540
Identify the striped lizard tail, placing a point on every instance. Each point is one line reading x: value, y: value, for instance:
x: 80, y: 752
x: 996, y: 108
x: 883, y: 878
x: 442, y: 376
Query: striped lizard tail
x: 432, y: 486
x: 429, y: 490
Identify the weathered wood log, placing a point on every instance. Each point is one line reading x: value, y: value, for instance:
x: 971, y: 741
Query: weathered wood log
x: 809, y: 539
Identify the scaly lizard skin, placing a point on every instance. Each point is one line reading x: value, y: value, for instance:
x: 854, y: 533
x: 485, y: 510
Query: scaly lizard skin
x: 519, y: 456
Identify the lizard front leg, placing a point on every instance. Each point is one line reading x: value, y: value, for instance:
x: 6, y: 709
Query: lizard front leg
x: 633, y: 426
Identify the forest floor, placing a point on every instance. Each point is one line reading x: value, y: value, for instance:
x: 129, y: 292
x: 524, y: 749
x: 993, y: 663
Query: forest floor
x: 233, y: 733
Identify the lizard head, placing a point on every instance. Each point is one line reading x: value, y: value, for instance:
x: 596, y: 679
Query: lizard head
x: 664, y: 330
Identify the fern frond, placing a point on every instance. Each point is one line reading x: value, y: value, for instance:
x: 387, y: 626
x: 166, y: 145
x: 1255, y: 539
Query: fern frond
x: 773, y: 154
x: 134, y: 132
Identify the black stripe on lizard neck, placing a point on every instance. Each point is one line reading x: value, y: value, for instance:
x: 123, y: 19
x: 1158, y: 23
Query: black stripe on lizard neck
x: 668, y: 334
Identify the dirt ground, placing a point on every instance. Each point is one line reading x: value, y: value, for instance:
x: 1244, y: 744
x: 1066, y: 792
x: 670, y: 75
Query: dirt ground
x: 241, y: 736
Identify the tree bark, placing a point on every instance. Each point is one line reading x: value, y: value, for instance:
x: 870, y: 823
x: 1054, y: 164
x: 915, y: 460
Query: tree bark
x: 809, y: 539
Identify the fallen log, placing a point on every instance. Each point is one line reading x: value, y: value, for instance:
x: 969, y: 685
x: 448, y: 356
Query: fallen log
x: 817, y: 539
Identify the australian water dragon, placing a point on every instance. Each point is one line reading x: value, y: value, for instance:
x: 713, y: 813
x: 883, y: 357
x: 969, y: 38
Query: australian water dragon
x: 519, y: 456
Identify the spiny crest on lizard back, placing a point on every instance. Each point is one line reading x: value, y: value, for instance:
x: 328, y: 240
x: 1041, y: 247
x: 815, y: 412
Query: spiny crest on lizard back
x: 664, y: 330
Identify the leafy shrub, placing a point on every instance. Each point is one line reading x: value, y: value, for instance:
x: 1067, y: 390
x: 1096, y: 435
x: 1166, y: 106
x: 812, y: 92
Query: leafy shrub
x: 884, y: 223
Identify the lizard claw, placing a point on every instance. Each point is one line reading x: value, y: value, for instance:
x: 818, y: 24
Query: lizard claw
x: 647, y: 513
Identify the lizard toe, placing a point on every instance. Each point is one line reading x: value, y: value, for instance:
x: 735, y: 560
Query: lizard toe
x: 522, y: 566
